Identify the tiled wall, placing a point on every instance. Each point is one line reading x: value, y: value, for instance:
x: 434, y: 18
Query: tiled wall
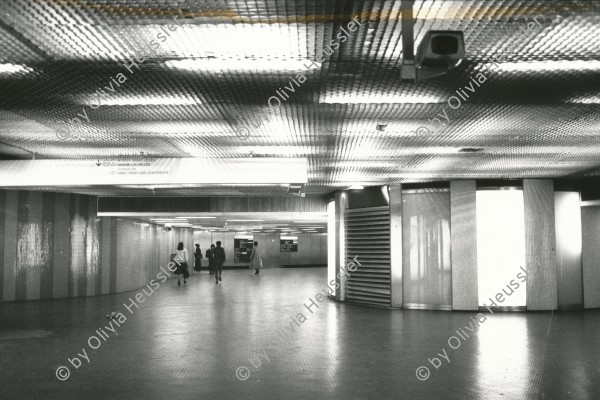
x: 53, y: 245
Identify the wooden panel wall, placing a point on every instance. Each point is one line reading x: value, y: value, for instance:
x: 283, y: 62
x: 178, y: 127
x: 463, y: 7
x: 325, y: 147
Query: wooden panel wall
x: 540, y: 238
x: 463, y: 228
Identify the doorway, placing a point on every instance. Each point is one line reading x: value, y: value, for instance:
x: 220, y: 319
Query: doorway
x: 501, y: 246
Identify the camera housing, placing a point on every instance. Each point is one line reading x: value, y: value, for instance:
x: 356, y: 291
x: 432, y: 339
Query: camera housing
x: 439, y: 52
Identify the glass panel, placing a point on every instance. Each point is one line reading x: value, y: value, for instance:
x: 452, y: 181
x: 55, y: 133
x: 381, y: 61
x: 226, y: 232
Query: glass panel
x: 568, y: 248
x: 501, y: 247
x: 426, y: 249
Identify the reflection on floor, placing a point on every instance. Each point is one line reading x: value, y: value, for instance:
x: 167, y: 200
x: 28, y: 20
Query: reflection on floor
x: 189, y: 342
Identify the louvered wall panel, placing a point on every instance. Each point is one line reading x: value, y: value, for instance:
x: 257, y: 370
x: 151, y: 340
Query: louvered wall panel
x: 368, y: 237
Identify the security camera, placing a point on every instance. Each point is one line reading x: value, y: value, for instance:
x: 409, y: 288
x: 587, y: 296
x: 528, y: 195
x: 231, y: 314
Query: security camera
x: 167, y: 228
x: 439, y: 52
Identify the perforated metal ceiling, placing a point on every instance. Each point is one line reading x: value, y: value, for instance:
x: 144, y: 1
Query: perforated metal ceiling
x: 536, y: 114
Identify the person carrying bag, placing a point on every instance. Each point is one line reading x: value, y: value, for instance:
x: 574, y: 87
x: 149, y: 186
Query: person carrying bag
x: 181, y: 259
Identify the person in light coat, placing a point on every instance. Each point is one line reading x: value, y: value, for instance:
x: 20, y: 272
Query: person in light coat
x: 255, y: 258
x: 182, y: 258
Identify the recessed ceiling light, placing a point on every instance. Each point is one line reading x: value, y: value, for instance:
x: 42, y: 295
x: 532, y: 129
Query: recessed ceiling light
x: 585, y: 100
x: 247, y: 65
x: 356, y: 187
x: 140, y: 101
x: 550, y: 66
x: 352, y: 98
x: 14, y: 69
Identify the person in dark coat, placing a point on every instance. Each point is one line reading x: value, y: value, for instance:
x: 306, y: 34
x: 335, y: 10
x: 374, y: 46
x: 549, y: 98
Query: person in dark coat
x: 211, y: 261
x: 219, y: 257
x: 197, y: 258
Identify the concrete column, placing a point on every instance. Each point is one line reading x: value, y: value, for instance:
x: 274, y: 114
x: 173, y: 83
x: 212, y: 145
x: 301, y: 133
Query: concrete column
x: 395, y: 193
x: 463, y: 228
x: 540, y: 244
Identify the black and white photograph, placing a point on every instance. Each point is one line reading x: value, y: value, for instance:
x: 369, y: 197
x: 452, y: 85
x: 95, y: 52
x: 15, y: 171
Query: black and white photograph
x: 300, y: 199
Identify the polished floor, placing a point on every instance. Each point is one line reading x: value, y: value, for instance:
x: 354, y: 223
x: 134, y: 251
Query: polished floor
x: 189, y: 342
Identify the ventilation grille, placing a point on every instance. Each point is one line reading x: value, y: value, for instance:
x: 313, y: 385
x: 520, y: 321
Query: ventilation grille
x: 368, y: 237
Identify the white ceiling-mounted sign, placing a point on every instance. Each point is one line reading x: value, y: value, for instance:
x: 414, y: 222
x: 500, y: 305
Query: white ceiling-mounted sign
x: 153, y: 171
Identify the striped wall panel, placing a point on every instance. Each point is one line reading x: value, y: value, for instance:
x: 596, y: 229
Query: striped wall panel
x: 53, y: 245
x: 368, y: 239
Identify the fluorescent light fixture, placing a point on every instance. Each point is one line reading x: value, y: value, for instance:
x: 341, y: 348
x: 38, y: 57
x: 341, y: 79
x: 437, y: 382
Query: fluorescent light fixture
x: 351, y: 98
x: 288, y: 237
x: 245, y: 220
x: 246, y: 65
x: 551, y: 66
x: 356, y: 187
x: 10, y: 69
x: 195, y: 217
x: 139, y: 101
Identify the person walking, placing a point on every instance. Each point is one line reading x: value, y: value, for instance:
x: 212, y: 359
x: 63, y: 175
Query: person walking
x: 182, y: 259
x: 219, y: 257
x: 211, y: 259
x: 197, y: 258
x: 255, y: 259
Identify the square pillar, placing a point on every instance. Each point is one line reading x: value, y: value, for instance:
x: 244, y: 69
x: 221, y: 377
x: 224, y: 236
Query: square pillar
x: 395, y: 195
x: 540, y: 244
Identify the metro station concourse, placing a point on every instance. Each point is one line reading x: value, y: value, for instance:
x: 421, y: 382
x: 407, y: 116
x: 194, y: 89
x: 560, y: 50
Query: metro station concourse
x: 268, y: 199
